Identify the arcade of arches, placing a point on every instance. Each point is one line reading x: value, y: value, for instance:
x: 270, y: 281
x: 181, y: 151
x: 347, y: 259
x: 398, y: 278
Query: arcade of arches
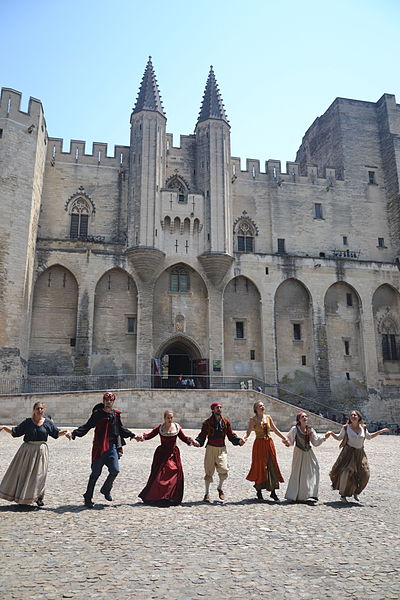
x: 96, y: 333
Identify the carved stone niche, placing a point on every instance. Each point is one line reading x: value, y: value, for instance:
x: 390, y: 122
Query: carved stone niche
x: 216, y: 265
x: 146, y: 261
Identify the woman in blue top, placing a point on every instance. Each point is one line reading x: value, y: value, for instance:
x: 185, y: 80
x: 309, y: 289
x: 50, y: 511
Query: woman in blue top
x: 25, y: 478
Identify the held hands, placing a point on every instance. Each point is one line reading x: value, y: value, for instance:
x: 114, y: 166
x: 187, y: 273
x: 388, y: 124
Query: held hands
x: 328, y: 434
x: 242, y: 442
x: 139, y: 438
x: 285, y: 442
x: 195, y: 444
x: 68, y: 435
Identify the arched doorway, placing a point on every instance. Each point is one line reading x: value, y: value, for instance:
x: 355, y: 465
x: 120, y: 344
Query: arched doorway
x: 179, y: 364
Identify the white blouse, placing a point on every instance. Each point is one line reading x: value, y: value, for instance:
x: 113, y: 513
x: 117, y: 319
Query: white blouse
x: 315, y: 438
x: 355, y: 440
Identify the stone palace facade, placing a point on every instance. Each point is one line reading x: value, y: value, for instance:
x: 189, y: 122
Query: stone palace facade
x: 165, y: 260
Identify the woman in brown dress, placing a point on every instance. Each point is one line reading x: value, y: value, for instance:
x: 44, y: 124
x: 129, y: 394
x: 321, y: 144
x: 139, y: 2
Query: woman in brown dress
x: 350, y: 473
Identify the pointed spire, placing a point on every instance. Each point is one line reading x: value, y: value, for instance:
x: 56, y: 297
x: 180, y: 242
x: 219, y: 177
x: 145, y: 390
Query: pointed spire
x: 212, y: 106
x: 149, y: 96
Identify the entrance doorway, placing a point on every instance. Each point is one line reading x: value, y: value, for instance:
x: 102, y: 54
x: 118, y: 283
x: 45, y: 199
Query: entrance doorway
x: 179, y: 365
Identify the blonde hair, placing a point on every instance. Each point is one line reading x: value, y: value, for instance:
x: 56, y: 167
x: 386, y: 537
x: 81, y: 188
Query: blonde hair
x: 257, y: 404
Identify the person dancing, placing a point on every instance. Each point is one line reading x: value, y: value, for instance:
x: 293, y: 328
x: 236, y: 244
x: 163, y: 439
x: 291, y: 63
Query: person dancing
x: 304, y: 477
x: 350, y: 473
x: 25, y: 479
x: 264, y: 470
x: 166, y: 480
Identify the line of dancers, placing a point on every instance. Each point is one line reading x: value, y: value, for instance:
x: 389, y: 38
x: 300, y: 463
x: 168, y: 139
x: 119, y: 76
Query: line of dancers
x: 25, y: 479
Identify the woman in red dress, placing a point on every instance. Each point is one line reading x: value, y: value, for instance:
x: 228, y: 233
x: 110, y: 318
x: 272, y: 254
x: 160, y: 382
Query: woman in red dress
x: 165, y: 483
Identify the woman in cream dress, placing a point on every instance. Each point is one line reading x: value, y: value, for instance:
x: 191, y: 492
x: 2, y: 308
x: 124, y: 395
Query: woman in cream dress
x: 304, y: 477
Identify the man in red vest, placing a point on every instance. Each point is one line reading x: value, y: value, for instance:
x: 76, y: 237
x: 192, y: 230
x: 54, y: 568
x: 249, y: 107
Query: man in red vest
x: 109, y: 434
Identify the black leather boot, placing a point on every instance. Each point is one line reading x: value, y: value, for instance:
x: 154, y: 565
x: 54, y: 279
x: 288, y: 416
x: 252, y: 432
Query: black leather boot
x: 107, y: 486
x: 88, y: 495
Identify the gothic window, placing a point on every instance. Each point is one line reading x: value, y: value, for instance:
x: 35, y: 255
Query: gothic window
x: 79, y: 219
x: 245, y: 236
x: 389, y: 340
x: 179, y: 280
x: 177, y: 184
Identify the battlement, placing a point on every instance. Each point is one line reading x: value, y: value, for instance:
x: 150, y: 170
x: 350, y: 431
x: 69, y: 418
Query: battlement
x: 273, y: 172
x: 77, y: 154
x: 10, y: 107
x: 186, y: 142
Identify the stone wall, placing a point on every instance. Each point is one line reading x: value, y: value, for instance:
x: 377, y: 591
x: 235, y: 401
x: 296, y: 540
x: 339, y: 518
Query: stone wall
x: 142, y: 409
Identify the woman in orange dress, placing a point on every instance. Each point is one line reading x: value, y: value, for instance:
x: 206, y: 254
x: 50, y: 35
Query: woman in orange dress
x: 264, y: 470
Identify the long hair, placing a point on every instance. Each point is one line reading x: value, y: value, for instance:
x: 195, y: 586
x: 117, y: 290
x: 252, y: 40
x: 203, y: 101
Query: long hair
x: 359, y: 415
x: 308, y: 429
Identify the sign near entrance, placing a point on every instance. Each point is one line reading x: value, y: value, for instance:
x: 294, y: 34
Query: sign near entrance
x: 216, y: 365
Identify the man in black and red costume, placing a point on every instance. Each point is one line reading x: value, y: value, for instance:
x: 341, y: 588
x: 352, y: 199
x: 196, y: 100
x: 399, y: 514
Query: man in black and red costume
x: 109, y: 434
x: 216, y: 428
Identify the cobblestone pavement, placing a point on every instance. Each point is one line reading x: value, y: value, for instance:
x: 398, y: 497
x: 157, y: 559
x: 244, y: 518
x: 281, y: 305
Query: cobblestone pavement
x: 240, y: 548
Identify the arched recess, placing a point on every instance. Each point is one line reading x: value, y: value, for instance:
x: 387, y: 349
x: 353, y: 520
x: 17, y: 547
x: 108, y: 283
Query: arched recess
x: 114, y: 325
x: 53, y: 325
x: 294, y: 338
x: 242, y: 329
x: 386, y: 311
x: 344, y: 339
x: 180, y: 355
x: 180, y: 308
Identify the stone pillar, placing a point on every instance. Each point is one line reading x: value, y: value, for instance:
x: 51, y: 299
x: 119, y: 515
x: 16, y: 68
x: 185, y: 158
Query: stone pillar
x: 216, y: 331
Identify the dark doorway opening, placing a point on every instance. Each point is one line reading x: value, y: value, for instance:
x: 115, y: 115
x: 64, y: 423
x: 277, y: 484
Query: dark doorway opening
x: 180, y: 366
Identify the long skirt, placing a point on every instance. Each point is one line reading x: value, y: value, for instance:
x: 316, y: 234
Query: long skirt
x: 350, y: 473
x: 304, y: 477
x: 165, y: 483
x: 25, y: 478
x: 264, y: 470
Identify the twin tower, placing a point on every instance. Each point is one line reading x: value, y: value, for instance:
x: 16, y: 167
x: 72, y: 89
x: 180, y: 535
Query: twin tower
x: 198, y: 172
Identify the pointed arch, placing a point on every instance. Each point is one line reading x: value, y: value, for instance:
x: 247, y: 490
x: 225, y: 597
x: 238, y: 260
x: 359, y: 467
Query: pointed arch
x: 386, y: 311
x: 114, y: 323
x: 53, y: 324
x: 242, y: 328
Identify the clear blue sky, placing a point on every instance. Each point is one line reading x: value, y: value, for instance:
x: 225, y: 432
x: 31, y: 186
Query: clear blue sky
x: 279, y: 65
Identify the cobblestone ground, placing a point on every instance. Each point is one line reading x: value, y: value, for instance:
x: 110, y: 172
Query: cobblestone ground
x: 240, y: 548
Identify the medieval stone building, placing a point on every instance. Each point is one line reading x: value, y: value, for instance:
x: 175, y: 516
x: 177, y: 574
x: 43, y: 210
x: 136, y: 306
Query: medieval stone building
x: 165, y: 260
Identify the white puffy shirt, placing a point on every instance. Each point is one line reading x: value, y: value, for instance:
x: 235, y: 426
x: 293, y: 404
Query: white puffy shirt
x: 355, y: 440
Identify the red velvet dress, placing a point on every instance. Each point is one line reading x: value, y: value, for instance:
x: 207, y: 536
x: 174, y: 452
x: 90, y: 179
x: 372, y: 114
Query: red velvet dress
x: 165, y: 483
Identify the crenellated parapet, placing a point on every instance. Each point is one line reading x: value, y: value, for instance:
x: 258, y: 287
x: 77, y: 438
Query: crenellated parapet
x: 273, y: 173
x: 77, y: 154
x: 10, y: 108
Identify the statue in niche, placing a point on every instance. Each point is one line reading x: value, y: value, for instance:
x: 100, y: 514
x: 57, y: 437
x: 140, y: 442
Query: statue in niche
x: 180, y: 323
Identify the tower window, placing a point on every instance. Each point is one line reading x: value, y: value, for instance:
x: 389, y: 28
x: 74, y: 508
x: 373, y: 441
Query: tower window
x: 303, y: 360
x: 389, y: 346
x: 179, y: 281
x: 79, y: 226
x: 381, y: 242
x: 317, y: 211
x: 296, y: 331
x: 131, y: 325
x: 349, y: 299
x: 281, y: 246
x: 345, y: 241
x: 252, y: 355
x: 347, y: 347
x: 371, y: 177
x: 239, y: 333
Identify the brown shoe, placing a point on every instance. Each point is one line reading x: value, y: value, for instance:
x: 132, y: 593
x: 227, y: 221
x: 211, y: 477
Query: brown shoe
x: 206, y: 498
x: 221, y: 494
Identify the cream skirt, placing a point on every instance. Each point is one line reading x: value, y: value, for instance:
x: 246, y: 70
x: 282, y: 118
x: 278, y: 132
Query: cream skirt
x: 25, y: 478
